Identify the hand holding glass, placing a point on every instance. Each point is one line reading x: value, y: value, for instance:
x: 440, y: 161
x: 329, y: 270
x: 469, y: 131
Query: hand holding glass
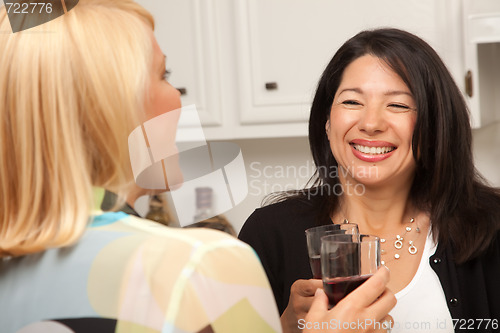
x: 314, y: 235
x: 346, y: 262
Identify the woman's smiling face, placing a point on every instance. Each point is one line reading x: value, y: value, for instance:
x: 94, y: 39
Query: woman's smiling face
x: 371, y: 124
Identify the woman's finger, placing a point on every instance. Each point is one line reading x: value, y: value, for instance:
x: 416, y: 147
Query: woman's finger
x: 306, y: 288
x: 319, y: 304
x: 387, y: 324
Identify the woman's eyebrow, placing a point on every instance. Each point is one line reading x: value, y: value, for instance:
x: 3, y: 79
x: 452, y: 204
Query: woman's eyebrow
x: 387, y: 93
x: 356, y: 90
x: 397, y: 92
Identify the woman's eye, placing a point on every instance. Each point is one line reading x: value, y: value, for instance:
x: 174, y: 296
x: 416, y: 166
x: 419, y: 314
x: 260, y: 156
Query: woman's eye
x: 166, y: 74
x: 400, y: 107
x: 351, y: 103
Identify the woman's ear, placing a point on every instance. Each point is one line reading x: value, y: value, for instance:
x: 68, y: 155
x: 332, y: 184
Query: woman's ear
x: 327, y: 129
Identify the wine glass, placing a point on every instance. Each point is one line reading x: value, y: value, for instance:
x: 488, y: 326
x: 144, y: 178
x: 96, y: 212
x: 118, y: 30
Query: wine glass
x: 347, y: 260
x: 313, y: 236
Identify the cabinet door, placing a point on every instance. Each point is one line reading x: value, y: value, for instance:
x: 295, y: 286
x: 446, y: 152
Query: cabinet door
x: 482, y: 59
x: 187, y: 33
x: 284, y: 45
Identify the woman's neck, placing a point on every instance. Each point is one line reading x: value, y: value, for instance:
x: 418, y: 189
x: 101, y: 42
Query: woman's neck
x: 376, y: 209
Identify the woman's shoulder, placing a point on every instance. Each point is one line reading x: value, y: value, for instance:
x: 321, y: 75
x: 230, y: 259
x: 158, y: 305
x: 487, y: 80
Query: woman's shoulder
x: 303, y: 202
x: 486, y: 256
x: 287, y: 206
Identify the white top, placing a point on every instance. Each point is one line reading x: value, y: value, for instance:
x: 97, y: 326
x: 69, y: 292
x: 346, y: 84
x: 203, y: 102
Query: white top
x: 422, y: 304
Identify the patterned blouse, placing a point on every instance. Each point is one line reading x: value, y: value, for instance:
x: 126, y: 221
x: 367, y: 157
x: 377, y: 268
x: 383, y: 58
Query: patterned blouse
x: 131, y: 275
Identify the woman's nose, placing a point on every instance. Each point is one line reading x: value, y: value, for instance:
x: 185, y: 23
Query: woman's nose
x: 372, y: 120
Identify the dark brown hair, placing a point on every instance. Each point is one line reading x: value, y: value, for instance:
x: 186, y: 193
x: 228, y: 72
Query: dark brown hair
x: 464, y: 210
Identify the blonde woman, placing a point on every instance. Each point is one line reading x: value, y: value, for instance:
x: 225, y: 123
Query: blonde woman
x: 71, y: 91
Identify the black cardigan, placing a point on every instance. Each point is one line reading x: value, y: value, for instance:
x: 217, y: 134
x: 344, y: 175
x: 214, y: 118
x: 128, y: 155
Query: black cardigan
x: 276, y: 232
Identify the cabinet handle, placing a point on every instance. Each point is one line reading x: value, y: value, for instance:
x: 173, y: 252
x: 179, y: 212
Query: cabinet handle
x: 271, y: 85
x: 468, y: 84
x: 183, y: 91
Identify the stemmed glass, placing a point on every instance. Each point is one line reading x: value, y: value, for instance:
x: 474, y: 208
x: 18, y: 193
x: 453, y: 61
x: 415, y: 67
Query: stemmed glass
x: 314, y: 235
x: 347, y: 260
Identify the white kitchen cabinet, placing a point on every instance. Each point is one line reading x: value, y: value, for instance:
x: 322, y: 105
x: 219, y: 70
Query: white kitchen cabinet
x: 251, y: 66
x: 284, y: 45
x: 186, y: 32
x: 481, y: 21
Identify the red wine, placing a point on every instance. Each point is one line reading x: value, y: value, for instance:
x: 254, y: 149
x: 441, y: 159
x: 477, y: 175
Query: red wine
x: 338, y: 288
x: 316, y: 266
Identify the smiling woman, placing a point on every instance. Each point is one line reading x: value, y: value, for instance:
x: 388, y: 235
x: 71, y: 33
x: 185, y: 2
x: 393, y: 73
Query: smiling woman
x: 387, y: 102
x: 371, y: 123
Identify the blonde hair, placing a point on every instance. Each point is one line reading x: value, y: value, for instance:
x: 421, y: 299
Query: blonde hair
x: 71, y: 91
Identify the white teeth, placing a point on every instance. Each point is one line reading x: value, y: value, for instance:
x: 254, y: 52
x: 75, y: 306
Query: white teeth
x: 373, y: 150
